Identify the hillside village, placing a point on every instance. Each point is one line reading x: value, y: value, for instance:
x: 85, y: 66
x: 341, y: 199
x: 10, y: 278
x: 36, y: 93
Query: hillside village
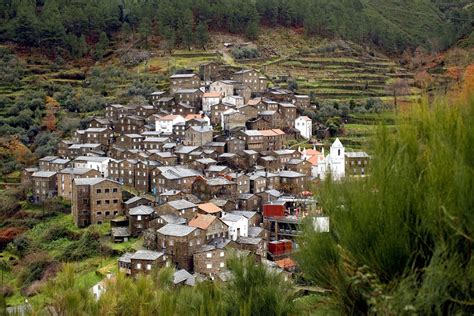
x: 202, y: 171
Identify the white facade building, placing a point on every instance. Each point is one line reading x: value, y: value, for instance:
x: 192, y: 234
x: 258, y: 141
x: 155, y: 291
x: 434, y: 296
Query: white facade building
x: 209, y: 99
x: 93, y: 162
x: 164, y: 124
x: 305, y: 125
x: 238, y: 225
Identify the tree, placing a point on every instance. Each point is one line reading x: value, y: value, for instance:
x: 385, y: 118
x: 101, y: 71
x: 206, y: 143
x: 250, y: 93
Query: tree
x: 186, y: 29
x: 144, y: 30
x: 202, y: 35
x: 251, y: 30
x: 396, y: 88
x: 52, y: 34
x: 25, y: 25
x: 101, y: 46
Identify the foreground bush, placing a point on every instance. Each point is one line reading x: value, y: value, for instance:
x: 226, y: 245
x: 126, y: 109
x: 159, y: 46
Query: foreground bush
x: 401, y: 239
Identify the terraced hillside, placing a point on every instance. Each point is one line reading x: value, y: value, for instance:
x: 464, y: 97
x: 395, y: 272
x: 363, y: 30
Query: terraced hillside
x: 342, y: 73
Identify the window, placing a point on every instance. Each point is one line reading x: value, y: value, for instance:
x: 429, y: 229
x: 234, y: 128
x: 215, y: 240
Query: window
x: 338, y: 152
x: 106, y: 190
x: 139, y: 266
x: 107, y: 213
x: 191, y: 243
x: 98, y: 191
x: 171, y: 242
x: 148, y: 266
x: 115, y: 201
x: 209, y: 255
x: 209, y: 265
x: 221, y: 264
x: 98, y: 202
x: 107, y: 201
x: 114, y: 190
x: 222, y: 254
x: 99, y: 213
x: 139, y: 218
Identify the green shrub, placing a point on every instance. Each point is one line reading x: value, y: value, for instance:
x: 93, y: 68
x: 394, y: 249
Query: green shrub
x: 401, y: 239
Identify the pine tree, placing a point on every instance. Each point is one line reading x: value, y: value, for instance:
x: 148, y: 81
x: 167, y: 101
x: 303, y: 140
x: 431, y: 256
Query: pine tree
x: 202, y: 35
x: 52, y: 34
x: 101, y: 46
x: 24, y: 26
x: 144, y: 29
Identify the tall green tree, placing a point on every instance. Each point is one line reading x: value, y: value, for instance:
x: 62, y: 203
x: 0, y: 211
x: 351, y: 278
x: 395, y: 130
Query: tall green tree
x: 144, y: 30
x: 24, y: 27
x: 52, y: 32
x: 101, y: 46
x: 202, y: 35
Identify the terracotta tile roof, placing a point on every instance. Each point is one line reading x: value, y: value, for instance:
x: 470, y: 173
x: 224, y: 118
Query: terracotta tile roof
x: 210, y: 208
x: 254, y: 101
x: 192, y: 116
x: 202, y: 221
x: 286, y: 263
x: 211, y: 95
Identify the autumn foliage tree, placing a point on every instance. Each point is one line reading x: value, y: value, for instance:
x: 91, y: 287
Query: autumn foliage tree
x: 52, y: 107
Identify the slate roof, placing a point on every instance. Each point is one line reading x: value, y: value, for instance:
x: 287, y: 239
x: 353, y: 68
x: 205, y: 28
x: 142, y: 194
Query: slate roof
x: 176, y: 230
x: 43, y: 174
x: 141, y: 210
x: 181, y: 204
x: 146, y: 255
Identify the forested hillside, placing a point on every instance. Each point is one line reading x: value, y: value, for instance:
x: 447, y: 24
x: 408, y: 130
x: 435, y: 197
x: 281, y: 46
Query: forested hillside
x: 74, y: 27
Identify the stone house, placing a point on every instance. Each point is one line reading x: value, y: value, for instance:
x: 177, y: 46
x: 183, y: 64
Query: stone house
x: 173, y: 178
x: 180, y: 243
x: 252, y: 79
x: 356, y: 163
x: 248, y: 202
x: 233, y: 119
x: 184, y: 81
x: 212, y: 226
x: 299, y: 165
x: 183, y: 108
x: 198, y: 135
x: 66, y: 176
x: 255, y: 245
x: 95, y: 200
x: 100, y: 122
x: 293, y: 182
x: 44, y: 185
x: 145, y: 261
x: 189, y: 96
x: 130, y: 124
x: 181, y: 208
x: 211, y: 259
x: 220, y: 187
x: 139, y: 218
x: 130, y: 141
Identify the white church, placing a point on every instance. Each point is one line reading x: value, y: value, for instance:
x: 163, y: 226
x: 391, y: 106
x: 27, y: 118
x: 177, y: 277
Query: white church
x: 334, y: 163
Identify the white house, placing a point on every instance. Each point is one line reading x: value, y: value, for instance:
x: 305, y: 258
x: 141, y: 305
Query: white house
x: 234, y: 100
x: 238, y: 225
x: 93, y: 162
x: 209, y: 99
x: 164, y: 124
x: 305, y: 125
x: 224, y: 87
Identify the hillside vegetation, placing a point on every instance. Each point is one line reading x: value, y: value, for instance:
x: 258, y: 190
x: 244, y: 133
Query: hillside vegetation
x: 74, y: 28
